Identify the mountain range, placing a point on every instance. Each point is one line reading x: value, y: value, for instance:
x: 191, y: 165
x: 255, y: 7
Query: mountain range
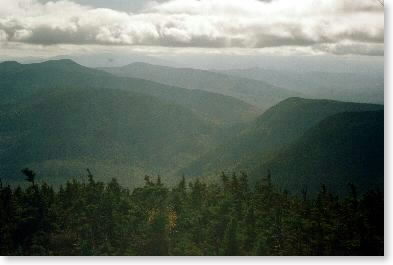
x: 23, y: 81
x: 258, y: 93
x: 59, y: 118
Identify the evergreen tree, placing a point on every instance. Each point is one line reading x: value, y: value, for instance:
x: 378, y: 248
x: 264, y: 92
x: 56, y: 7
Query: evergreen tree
x: 30, y: 175
x: 231, y: 244
x: 96, y: 218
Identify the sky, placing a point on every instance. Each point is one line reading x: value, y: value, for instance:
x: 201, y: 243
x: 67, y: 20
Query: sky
x: 120, y: 5
x: 180, y: 28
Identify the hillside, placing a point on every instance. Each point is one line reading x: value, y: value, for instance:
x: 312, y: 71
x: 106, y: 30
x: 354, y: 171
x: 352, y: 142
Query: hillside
x: 276, y: 128
x: 20, y: 82
x: 344, y: 148
x: 116, y: 133
x: 258, y: 93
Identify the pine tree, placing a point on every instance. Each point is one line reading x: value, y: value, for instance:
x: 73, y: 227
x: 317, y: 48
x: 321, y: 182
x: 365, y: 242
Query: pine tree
x: 231, y: 244
x: 30, y: 175
x: 250, y: 229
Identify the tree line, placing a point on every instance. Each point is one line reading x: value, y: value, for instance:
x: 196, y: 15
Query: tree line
x: 192, y: 218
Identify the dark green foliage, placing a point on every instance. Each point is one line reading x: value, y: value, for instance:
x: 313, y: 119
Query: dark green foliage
x: 344, y: 148
x: 230, y: 244
x: 30, y: 175
x: 93, y: 218
x: 283, y: 125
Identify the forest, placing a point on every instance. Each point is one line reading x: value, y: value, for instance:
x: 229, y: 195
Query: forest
x: 228, y: 217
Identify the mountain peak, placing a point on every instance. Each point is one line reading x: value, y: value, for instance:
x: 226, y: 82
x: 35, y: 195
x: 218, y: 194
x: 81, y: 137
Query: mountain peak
x: 9, y: 63
x: 139, y: 63
x: 300, y: 100
x: 9, y: 66
x: 142, y: 64
x: 61, y: 62
x: 49, y: 62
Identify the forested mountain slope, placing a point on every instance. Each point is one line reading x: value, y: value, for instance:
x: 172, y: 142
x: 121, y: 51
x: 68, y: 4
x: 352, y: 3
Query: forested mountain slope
x: 23, y: 81
x: 344, y: 148
x: 59, y: 117
x: 117, y: 133
x: 278, y: 127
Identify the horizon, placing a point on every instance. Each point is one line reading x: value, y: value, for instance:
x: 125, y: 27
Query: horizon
x: 168, y: 64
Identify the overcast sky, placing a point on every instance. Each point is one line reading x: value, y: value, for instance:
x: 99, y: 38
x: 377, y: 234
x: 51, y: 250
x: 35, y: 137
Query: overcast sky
x: 246, y: 27
x: 121, y: 5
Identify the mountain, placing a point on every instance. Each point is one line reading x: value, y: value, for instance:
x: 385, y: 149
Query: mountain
x: 365, y: 87
x: 344, y: 148
x: 116, y: 133
x: 113, y: 59
x: 258, y: 93
x: 59, y: 118
x: 275, y: 129
x: 22, y: 81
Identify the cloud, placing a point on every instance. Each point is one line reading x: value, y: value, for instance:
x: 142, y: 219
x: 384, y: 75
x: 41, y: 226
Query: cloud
x: 3, y: 36
x: 324, y: 26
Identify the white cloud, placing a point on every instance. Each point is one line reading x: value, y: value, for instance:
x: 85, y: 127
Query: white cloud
x: 3, y: 36
x: 332, y: 26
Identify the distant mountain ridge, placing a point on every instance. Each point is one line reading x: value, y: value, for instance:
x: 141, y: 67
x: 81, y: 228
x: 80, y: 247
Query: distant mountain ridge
x: 365, y: 87
x: 258, y: 93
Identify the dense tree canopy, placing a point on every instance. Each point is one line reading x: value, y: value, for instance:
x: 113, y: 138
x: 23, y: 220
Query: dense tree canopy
x: 228, y: 218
